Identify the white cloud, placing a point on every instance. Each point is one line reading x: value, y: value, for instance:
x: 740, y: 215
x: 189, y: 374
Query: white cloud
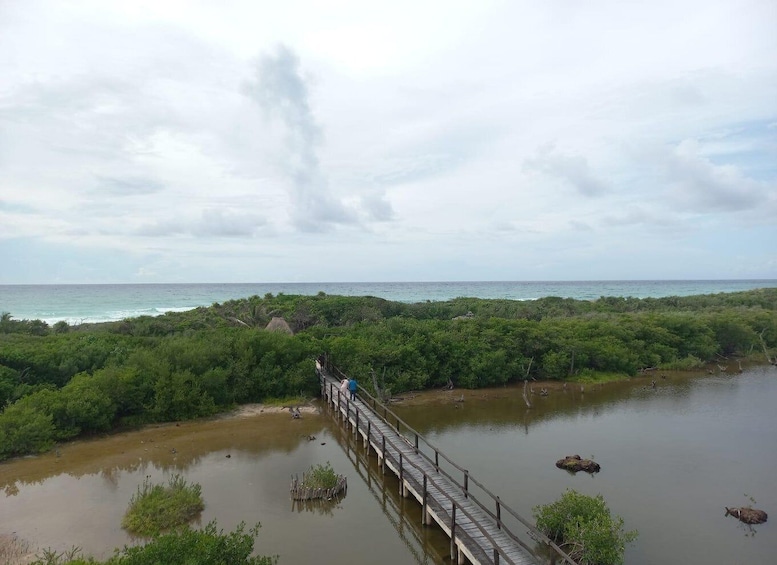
x: 397, y: 141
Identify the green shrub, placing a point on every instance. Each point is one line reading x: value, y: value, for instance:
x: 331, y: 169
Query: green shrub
x: 181, y: 547
x: 320, y: 476
x: 687, y: 363
x: 203, y: 547
x: 157, y: 508
x: 584, y: 527
x: 23, y: 429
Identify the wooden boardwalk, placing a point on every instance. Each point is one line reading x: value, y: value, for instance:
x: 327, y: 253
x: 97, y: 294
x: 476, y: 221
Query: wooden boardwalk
x: 478, y: 532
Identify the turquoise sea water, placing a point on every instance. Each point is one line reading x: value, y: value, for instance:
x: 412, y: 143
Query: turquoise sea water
x: 102, y: 303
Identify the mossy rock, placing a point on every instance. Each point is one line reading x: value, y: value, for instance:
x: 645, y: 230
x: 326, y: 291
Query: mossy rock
x: 575, y: 463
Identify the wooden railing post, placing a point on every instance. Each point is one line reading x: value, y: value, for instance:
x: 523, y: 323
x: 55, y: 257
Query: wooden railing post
x: 357, y: 423
x: 383, y: 452
x: 498, y: 514
x: 369, y: 430
x: 466, y: 484
x: 437, y: 460
x: 416, y: 443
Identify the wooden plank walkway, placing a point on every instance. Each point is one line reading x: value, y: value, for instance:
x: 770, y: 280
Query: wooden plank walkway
x: 477, y: 533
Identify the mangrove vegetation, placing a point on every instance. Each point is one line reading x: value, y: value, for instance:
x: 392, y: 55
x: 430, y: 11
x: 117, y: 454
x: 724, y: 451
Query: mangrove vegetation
x: 59, y: 382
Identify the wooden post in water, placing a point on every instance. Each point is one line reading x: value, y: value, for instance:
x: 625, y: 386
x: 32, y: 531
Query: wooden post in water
x: 453, y: 535
x: 401, y: 477
x: 383, y: 454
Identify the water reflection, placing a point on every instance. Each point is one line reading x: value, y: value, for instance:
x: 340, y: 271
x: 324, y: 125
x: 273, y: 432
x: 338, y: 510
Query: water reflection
x: 244, y: 468
x: 501, y: 409
x: 165, y: 449
x: 318, y: 506
x: 672, y: 456
x: 427, y: 544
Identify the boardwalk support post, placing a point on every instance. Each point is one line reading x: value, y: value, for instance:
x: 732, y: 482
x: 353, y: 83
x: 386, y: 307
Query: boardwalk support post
x: 401, y: 477
x: 424, y: 513
x: 454, y: 556
x: 383, y: 454
x: 466, y: 484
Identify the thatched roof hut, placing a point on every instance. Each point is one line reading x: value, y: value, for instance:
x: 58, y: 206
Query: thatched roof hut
x: 278, y: 324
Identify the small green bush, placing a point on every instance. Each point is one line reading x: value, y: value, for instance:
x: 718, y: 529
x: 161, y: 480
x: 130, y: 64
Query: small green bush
x: 203, y: 547
x: 584, y: 528
x: 320, y: 476
x: 157, y: 508
x: 184, y: 546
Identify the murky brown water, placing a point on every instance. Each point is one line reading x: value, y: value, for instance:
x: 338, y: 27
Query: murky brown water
x: 79, y: 497
x: 672, y: 457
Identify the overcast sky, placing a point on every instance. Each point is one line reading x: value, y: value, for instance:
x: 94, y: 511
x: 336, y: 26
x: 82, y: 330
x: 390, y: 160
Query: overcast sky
x: 333, y: 140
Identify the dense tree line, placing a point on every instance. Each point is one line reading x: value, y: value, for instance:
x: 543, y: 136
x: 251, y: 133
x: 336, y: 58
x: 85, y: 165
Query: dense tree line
x: 60, y: 382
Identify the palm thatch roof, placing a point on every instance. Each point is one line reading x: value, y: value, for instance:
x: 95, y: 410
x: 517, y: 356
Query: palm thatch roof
x: 278, y: 324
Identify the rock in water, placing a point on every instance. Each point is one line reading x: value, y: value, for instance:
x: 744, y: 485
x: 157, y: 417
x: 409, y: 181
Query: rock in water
x: 575, y: 463
x: 747, y: 515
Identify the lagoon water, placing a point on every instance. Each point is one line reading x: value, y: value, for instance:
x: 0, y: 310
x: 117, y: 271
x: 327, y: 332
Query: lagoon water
x: 672, y: 458
x: 102, y: 303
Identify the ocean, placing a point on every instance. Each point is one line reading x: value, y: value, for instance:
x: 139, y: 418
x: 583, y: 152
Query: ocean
x: 103, y: 303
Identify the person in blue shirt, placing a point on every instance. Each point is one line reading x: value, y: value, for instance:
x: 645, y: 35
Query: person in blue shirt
x: 352, y: 388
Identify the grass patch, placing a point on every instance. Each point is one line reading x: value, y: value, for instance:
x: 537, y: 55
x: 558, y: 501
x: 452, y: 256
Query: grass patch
x: 158, y: 508
x: 183, y: 546
x: 588, y: 376
x: 12, y: 549
x: 688, y: 363
x: 320, y: 476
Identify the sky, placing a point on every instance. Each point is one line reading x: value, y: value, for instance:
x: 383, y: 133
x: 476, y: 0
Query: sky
x: 325, y: 141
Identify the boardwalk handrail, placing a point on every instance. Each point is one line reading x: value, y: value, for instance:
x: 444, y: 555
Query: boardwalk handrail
x: 499, y: 506
x: 498, y: 551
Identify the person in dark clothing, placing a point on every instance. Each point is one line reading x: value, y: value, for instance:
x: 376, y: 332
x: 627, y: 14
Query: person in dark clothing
x: 352, y: 387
